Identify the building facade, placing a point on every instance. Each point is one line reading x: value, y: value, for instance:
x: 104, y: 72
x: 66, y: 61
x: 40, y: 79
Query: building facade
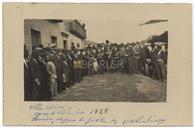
x: 76, y: 33
x: 60, y: 34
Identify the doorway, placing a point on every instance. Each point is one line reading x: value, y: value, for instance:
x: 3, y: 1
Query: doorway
x: 35, y: 38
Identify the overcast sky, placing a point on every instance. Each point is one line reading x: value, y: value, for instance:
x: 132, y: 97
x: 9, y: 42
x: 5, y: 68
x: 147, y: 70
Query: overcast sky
x: 122, y: 30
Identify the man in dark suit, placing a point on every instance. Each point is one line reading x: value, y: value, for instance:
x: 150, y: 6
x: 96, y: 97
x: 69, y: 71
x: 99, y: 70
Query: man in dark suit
x: 144, y: 60
x: 70, y: 55
x: 130, y: 60
x: 58, y: 64
x: 85, y: 62
x: 153, y: 55
x: 69, y: 68
x: 64, y: 70
x: 44, y: 89
x: 107, y: 55
x: 27, y: 83
x: 78, y: 60
x: 36, y: 75
x: 161, y: 60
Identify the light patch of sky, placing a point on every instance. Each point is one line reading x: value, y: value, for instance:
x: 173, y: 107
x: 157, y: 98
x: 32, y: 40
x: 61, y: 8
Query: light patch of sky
x: 122, y: 30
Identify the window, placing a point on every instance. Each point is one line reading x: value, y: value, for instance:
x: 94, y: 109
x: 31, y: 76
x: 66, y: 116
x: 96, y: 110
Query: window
x: 35, y: 38
x: 78, y: 45
x: 53, y: 41
x: 65, y: 44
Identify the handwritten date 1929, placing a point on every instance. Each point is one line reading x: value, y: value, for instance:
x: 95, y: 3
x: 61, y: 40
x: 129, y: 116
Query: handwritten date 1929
x: 99, y: 111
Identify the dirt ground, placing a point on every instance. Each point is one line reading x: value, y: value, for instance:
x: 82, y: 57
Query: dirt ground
x: 115, y: 87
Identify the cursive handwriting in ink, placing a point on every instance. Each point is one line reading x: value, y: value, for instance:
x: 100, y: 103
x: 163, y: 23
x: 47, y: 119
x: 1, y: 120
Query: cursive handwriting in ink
x: 58, y: 114
x: 144, y: 120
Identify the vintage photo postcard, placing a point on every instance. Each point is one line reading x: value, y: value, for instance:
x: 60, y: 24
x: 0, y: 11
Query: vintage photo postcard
x: 97, y: 64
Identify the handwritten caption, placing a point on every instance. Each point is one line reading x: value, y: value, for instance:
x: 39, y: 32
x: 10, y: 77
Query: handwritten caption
x: 57, y: 114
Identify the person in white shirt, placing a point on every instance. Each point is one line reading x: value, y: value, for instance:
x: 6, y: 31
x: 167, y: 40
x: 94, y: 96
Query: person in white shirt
x: 51, y: 69
x: 161, y: 57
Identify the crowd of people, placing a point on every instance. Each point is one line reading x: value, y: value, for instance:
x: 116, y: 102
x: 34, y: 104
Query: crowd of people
x: 49, y: 71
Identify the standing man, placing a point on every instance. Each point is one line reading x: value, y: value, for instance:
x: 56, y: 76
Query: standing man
x: 126, y: 60
x: 70, y: 68
x: 36, y: 75
x: 85, y: 63
x: 89, y: 56
x: 160, y: 65
x: 64, y: 71
x: 77, y: 66
x: 107, y: 55
x: 27, y: 82
x: 100, y: 61
x: 130, y: 58
x: 44, y: 89
x: 122, y: 57
x: 153, y: 55
x: 145, y: 60
x: 58, y: 64
x: 51, y: 69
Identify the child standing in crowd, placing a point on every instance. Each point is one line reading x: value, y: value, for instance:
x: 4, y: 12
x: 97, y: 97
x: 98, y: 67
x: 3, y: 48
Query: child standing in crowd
x: 53, y: 76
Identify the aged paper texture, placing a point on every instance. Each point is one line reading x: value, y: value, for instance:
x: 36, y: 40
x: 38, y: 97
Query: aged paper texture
x: 177, y: 108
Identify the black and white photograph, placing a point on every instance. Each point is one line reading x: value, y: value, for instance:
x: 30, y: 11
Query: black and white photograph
x: 95, y: 60
x: 97, y: 64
